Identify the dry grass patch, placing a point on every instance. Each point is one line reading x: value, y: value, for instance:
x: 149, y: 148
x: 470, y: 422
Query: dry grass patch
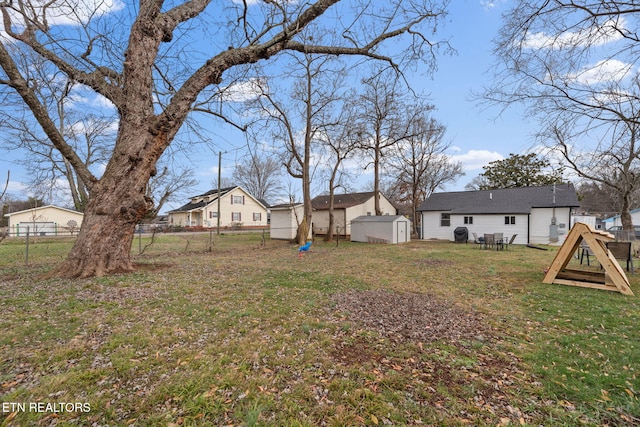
x: 249, y: 334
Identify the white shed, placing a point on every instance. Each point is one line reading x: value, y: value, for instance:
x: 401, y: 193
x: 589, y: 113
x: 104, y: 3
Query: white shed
x: 381, y: 229
x: 44, y: 221
x: 284, y: 220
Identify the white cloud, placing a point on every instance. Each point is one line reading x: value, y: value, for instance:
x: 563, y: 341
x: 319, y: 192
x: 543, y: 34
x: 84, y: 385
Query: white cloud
x: 16, y: 187
x: 476, y: 159
x: 102, y: 102
x: 67, y: 12
x: 76, y: 12
x: 593, y: 36
x: 491, y: 4
x: 610, y: 70
x: 242, y: 91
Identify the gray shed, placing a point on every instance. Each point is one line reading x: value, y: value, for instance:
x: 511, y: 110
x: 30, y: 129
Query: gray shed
x: 381, y: 229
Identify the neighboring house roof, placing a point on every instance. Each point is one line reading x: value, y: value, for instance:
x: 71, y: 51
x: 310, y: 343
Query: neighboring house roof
x: 200, y: 201
x: 613, y: 218
x: 341, y: 201
x: 285, y: 206
x: 264, y: 203
x: 191, y: 206
x: 44, y: 207
x: 518, y: 200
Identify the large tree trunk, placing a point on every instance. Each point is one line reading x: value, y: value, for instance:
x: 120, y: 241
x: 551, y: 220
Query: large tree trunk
x: 626, y: 219
x: 376, y: 181
x: 118, y: 202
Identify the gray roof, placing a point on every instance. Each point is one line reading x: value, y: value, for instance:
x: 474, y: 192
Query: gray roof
x: 518, y: 200
x: 191, y: 206
x: 341, y: 201
x: 378, y: 218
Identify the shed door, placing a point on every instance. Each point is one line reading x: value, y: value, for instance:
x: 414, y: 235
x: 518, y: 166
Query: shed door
x: 37, y: 228
x: 401, y: 232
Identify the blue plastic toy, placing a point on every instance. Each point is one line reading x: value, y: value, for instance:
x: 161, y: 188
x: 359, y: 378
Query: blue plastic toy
x: 304, y: 248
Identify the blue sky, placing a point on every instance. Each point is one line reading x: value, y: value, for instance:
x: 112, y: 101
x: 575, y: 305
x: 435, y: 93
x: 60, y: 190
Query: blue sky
x: 478, y: 134
x: 477, y: 137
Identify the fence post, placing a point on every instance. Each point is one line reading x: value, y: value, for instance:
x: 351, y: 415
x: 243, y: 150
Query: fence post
x: 211, y: 240
x: 26, y: 259
x: 139, y: 240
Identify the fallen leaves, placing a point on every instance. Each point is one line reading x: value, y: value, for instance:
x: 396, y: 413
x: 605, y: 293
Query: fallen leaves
x: 410, y: 316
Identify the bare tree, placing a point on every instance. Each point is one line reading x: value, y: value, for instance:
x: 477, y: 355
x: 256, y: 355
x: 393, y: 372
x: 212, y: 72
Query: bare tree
x: 297, y: 119
x: 418, y: 164
x: 150, y: 63
x: 260, y: 175
x: 88, y: 134
x: 477, y: 183
x: 6, y: 185
x: 382, y: 121
x: 167, y: 186
x: 340, y: 140
x: 573, y: 65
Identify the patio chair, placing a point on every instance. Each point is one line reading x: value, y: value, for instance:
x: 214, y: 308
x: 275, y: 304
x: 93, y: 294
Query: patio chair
x: 489, y: 241
x: 510, y: 241
x: 622, y: 250
x: 499, y: 240
x: 585, y: 251
x: 478, y: 241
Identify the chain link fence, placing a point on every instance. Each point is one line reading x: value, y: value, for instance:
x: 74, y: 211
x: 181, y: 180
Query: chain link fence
x: 41, y: 249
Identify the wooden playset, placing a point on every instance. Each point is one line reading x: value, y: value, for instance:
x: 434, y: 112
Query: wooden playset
x: 610, y: 278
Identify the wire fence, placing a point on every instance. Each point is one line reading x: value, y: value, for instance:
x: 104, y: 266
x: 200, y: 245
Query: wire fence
x: 41, y: 249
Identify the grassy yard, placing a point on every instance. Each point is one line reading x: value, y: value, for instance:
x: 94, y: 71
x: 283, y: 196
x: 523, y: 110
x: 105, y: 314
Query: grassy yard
x: 426, y: 333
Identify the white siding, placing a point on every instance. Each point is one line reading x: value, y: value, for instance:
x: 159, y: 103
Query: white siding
x: 431, y: 228
x: 590, y: 220
x: 284, y: 224
x: 234, y: 213
x: 540, y: 222
x: 368, y: 208
x: 55, y: 218
x: 342, y: 216
x: 482, y: 224
x: 179, y: 219
x: 617, y: 220
x: 320, y: 221
x: 207, y: 216
x: 393, y: 232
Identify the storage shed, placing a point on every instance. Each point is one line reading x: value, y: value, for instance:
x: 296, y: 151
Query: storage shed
x: 391, y: 229
x: 285, y: 219
x: 44, y: 221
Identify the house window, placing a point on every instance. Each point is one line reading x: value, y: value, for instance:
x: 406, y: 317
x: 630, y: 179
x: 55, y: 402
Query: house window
x: 445, y: 220
x: 257, y: 216
x: 468, y: 220
x: 213, y: 214
x: 237, y: 200
x: 509, y: 220
x: 236, y: 217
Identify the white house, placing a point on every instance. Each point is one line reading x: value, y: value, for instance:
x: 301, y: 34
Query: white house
x: 391, y: 229
x: 346, y: 207
x: 617, y: 220
x: 538, y: 215
x: 285, y: 219
x: 238, y: 208
x: 47, y: 220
